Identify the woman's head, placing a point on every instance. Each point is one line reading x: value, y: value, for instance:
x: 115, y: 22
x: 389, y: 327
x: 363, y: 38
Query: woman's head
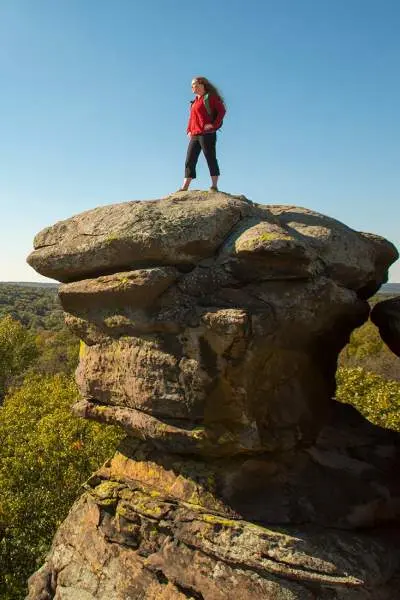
x: 201, y: 85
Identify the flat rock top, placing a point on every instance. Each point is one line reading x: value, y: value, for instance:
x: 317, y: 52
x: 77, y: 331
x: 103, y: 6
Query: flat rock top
x: 183, y: 229
x: 176, y: 230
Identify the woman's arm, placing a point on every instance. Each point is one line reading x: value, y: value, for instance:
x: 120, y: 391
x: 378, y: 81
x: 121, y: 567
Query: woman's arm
x: 219, y: 109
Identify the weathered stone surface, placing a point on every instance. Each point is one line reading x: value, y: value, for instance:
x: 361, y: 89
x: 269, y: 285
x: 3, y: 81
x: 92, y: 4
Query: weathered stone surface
x: 133, y: 234
x: 386, y: 316
x: 210, y: 331
x: 253, y: 372
x: 183, y: 230
x: 353, y: 259
x: 124, y: 539
x: 139, y: 288
x: 344, y: 480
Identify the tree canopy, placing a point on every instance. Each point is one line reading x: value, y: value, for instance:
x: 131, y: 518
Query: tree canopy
x: 17, y: 351
x: 45, y: 456
x: 33, y: 305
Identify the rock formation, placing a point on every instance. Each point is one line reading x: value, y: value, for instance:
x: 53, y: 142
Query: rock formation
x: 386, y: 316
x: 210, y: 330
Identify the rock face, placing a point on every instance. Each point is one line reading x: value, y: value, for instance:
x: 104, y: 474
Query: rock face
x: 210, y: 330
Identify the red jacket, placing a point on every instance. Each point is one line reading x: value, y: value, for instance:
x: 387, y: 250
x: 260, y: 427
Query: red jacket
x: 200, y: 117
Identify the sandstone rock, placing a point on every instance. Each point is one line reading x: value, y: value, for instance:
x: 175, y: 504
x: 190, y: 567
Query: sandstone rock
x: 210, y: 331
x: 344, y: 480
x: 386, y: 316
x: 136, y: 234
x: 155, y: 524
x: 353, y: 259
x: 139, y: 288
x: 253, y: 372
x: 182, y: 231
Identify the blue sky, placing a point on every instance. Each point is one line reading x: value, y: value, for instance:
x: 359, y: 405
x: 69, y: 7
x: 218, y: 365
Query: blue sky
x: 94, y: 101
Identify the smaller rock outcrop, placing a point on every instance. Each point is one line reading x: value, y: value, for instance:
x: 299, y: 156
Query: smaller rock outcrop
x: 386, y: 316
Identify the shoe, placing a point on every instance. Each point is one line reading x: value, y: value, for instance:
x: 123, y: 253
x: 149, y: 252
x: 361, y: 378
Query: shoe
x: 182, y: 190
x: 213, y: 188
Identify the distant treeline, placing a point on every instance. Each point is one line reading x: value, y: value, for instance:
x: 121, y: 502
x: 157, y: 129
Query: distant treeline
x: 390, y: 288
x: 36, y: 307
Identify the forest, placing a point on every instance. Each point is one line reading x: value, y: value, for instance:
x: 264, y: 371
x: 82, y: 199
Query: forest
x: 46, y: 454
x: 34, y: 306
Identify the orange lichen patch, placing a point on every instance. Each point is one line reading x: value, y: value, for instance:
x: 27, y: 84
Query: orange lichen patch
x: 188, y: 485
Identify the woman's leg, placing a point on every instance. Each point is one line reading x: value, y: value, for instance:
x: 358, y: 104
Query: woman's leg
x: 192, y: 156
x: 208, y: 145
x: 214, y: 181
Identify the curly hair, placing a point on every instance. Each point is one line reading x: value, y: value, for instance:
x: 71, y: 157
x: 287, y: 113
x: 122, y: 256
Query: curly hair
x: 209, y: 87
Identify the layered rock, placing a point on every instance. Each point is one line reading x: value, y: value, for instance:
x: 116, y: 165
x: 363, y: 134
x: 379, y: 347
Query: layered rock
x: 210, y: 330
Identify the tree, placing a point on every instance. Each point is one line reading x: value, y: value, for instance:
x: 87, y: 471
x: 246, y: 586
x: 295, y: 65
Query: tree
x: 17, y: 351
x: 45, y: 456
x: 377, y: 398
x: 35, y: 306
x: 58, y: 352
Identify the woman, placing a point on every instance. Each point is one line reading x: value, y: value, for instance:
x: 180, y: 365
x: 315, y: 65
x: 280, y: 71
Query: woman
x: 206, y: 114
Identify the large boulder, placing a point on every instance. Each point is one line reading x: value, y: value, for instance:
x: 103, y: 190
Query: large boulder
x: 210, y: 331
x: 211, y: 325
x: 135, y: 234
x: 181, y: 230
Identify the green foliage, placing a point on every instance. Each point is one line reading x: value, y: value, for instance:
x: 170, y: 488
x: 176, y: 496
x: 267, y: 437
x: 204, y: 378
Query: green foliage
x: 45, y: 456
x: 58, y: 352
x: 365, y: 341
x: 17, y: 351
x: 33, y: 305
x: 377, y: 398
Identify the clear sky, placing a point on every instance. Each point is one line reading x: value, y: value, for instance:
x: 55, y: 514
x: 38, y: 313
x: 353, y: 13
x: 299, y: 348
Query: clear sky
x: 94, y: 103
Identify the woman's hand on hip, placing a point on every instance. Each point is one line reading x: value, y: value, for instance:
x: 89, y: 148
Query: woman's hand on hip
x: 208, y: 126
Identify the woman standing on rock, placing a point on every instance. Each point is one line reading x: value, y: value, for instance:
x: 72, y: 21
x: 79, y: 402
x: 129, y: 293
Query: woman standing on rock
x: 206, y: 114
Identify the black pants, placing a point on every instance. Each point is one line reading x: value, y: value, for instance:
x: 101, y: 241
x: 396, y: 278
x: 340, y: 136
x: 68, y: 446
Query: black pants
x: 207, y: 143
